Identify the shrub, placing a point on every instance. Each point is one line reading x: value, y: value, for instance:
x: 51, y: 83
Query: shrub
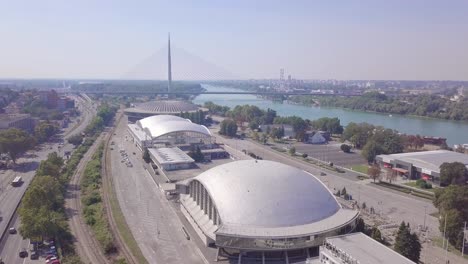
x: 345, y: 148
x: 91, y: 198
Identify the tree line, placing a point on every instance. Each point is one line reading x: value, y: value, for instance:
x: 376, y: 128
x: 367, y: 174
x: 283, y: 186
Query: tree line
x: 421, y: 105
x: 42, y: 210
x: 373, y: 140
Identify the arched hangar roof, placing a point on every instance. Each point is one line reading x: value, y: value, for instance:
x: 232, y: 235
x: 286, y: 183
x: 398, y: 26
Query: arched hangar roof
x: 158, y: 119
x: 267, y: 194
x: 161, y: 125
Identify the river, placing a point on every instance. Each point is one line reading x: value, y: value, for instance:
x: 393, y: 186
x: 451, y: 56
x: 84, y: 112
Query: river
x: 455, y: 132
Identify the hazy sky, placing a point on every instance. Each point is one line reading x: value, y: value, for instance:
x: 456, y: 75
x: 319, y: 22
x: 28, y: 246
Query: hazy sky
x: 391, y: 39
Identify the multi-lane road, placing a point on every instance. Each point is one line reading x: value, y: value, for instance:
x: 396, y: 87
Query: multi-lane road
x: 10, y: 196
x: 153, y: 222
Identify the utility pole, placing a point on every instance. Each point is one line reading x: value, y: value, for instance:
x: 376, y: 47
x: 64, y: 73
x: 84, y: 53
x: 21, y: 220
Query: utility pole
x: 463, y: 244
x: 446, y: 240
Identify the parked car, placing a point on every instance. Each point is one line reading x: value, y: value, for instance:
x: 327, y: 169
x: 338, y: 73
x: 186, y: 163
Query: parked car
x: 49, y: 256
x: 323, y: 174
x: 51, y: 260
x: 34, y: 255
x: 23, y: 253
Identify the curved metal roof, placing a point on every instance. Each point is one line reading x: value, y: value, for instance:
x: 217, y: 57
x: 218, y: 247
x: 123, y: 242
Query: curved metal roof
x: 156, y: 130
x: 267, y: 194
x: 165, y: 106
x: 157, y: 119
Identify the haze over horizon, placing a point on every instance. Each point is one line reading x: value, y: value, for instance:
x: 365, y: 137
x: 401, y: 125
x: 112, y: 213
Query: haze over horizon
x: 376, y: 40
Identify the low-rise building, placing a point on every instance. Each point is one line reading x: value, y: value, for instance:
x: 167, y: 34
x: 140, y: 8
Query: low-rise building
x: 420, y: 165
x: 288, y: 129
x: 358, y: 248
x: 171, y: 158
x: 20, y: 121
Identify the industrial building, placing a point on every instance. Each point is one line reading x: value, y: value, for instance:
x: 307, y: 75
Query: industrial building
x: 19, y: 121
x: 420, y: 165
x: 168, y: 130
x: 358, y: 248
x: 262, y: 210
x: 163, y: 107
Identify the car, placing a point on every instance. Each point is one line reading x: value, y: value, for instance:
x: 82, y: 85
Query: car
x: 50, y: 260
x: 323, y: 174
x: 55, y: 262
x: 34, y: 255
x: 134, y: 153
x: 49, y: 256
x: 23, y: 253
x: 51, y: 252
x: 12, y: 230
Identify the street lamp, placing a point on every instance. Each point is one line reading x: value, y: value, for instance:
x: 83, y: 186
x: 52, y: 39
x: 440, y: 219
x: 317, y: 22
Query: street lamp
x: 425, y: 208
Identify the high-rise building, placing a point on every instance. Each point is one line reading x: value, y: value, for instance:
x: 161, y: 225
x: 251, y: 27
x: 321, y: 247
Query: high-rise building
x: 169, y: 67
x: 281, y: 74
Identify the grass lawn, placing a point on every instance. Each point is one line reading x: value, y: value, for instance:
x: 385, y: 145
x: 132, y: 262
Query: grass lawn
x: 360, y: 168
x: 413, y: 184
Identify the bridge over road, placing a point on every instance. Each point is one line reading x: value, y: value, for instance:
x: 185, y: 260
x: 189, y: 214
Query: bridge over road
x: 199, y: 93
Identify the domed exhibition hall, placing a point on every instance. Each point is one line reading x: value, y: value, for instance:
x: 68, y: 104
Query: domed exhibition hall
x: 162, y: 107
x: 168, y: 130
x: 262, y: 209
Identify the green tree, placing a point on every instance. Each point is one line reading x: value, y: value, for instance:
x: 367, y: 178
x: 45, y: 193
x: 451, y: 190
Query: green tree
x: 146, y: 156
x: 47, y: 168
x: 14, y: 142
x: 360, y: 225
x: 343, y: 192
x: 331, y: 125
x: 292, y: 151
x: 44, y: 130
x: 454, y: 224
x: 345, y: 148
x: 371, y: 150
x: 41, y: 209
x: 196, y: 154
x: 407, y: 243
x: 277, y: 132
x: 228, y: 127
x: 374, y: 172
x: 75, y: 140
x: 453, y: 173
x: 376, y: 234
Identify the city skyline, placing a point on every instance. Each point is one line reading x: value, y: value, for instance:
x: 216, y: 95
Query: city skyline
x: 371, y: 40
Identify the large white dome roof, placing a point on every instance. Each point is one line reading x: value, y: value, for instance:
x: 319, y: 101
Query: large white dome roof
x: 267, y: 194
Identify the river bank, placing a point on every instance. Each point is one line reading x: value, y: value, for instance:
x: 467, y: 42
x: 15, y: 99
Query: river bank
x: 455, y: 132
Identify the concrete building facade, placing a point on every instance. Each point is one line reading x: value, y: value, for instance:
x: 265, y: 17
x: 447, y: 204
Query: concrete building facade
x: 420, y: 165
x: 20, y: 121
x: 262, y: 210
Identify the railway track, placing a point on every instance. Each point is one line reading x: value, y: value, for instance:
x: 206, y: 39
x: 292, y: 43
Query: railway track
x: 86, y: 245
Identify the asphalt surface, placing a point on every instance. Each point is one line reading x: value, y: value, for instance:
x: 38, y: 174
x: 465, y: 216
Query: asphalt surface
x: 152, y: 221
x: 393, y: 205
x: 10, y: 197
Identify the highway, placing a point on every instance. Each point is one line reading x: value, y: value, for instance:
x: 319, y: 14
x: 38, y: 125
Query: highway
x: 153, y: 222
x: 10, y: 196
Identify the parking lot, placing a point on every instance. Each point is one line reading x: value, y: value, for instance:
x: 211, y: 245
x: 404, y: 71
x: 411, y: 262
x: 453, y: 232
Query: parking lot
x: 329, y: 152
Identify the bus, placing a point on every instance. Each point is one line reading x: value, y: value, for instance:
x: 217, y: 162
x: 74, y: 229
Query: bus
x: 17, y: 181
